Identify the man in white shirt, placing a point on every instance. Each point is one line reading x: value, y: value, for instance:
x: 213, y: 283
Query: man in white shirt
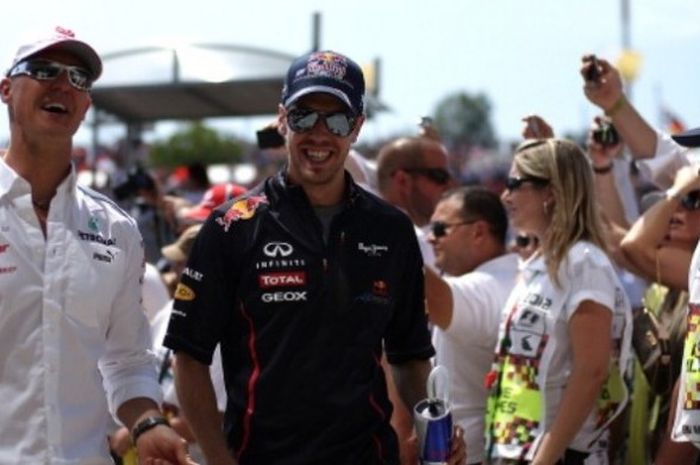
x: 468, y: 235
x: 71, y: 262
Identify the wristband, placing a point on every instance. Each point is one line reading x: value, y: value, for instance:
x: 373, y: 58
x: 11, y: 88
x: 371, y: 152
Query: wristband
x: 619, y: 103
x: 146, y: 424
x: 603, y: 169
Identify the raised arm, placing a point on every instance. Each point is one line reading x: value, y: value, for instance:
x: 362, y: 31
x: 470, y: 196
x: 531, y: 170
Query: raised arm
x: 438, y: 299
x: 645, y: 244
x: 607, y: 93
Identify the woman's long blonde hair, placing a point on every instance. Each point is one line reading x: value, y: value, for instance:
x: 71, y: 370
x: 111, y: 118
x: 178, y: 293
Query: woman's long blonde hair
x: 574, y: 214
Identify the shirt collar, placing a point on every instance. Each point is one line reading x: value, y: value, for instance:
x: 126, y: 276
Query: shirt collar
x: 13, y: 184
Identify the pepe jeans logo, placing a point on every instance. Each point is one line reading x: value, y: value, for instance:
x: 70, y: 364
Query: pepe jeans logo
x: 372, y: 250
x: 278, y: 249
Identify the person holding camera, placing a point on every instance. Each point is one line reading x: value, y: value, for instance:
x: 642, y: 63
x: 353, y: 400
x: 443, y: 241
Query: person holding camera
x: 154, y: 214
x: 70, y: 265
x: 658, y: 155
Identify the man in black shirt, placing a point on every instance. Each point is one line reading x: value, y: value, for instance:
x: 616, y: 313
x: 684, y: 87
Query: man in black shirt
x: 303, y: 281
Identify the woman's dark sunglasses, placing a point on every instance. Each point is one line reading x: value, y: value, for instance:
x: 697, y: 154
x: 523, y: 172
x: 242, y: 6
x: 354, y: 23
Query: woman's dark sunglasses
x: 691, y: 201
x: 437, y: 175
x: 522, y: 240
x: 339, y: 124
x: 513, y: 183
x: 46, y: 70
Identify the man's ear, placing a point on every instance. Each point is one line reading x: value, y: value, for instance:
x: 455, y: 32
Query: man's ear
x: 281, y: 120
x: 480, y: 229
x: 87, y: 107
x: 5, y: 85
x: 358, y: 125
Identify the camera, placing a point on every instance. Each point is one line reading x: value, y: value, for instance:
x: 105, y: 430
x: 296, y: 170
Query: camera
x: 593, y: 72
x: 136, y: 179
x: 269, y: 138
x: 606, y: 134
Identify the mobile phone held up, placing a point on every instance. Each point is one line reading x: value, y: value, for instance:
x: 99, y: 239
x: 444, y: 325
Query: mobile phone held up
x: 593, y: 72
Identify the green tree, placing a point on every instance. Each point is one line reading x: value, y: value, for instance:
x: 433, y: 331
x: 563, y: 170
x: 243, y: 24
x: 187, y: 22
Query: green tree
x: 464, y: 121
x: 195, y: 144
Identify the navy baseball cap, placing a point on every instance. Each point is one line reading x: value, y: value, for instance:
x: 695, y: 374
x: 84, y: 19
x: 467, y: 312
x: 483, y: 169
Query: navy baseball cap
x: 326, y: 72
x: 689, y: 138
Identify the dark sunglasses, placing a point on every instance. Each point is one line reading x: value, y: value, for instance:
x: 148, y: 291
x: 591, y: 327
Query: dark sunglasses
x: 339, y: 124
x: 439, y: 228
x: 513, y: 183
x: 691, y: 201
x: 522, y: 240
x: 437, y: 175
x: 45, y: 70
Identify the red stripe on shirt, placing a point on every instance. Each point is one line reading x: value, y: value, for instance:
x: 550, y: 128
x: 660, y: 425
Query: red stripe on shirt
x: 252, y: 380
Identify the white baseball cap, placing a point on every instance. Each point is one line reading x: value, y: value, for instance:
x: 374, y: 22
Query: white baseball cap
x: 62, y: 39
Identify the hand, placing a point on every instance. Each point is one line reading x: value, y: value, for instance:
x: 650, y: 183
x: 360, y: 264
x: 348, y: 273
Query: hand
x: 120, y: 441
x: 601, y: 155
x: 607, y: 89
x: 458, y: 450
x: 429, y: 131
x: 687, y: 179
x: 162, y: 446
x: 536, y: 127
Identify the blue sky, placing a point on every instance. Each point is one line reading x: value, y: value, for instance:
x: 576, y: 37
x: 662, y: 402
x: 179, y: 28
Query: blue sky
x: 523, y: 55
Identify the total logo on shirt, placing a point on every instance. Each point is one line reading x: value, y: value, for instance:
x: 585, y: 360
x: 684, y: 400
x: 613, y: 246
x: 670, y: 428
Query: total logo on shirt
x: 282, y: 279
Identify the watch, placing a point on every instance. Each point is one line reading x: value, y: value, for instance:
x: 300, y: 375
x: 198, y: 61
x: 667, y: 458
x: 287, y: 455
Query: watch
x: 146, y: 424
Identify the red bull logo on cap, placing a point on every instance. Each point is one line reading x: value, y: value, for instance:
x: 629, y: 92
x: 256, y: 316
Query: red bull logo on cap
x: 327, y: 64
x: 243, y: 209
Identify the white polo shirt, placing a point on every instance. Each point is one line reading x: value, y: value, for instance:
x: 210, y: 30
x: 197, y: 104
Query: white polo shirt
x: 70, y: 322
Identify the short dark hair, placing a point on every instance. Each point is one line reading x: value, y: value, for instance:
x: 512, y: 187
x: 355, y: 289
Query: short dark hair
x: 480, y: 203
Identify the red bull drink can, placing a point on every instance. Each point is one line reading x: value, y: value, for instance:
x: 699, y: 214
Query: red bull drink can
x: 433, y: 421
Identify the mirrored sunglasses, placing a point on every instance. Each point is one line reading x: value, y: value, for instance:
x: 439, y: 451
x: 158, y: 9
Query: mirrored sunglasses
x: 513, y: 183
x: 437, y: 175
x: 45, y: 70
x: 691, y: 201
x: 339, y: 124
x: 439, y: 228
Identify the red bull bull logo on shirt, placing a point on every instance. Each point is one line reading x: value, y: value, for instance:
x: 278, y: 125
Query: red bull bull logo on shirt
x: 243, y: 209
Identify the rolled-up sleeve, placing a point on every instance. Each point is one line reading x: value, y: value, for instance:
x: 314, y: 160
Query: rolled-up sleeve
x: 667, y: 160
x: 128, y: 366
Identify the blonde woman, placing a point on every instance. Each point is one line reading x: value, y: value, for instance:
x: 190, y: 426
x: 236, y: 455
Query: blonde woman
x: 556, y: 384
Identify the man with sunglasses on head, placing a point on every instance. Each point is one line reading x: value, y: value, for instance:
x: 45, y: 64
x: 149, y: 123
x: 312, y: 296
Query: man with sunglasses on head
x: 71, y: 321
x: 302, y: 281
x: 468, y: 235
